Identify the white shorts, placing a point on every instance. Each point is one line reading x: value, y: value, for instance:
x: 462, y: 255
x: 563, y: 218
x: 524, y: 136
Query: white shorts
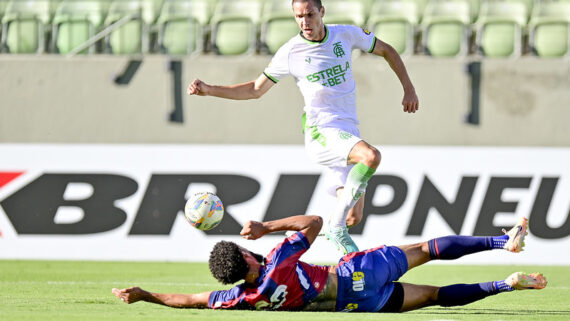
x: 330, y: 147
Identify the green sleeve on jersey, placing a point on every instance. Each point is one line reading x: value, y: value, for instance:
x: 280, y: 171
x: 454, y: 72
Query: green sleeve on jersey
x: 270, y: 78
x: 373, y: 45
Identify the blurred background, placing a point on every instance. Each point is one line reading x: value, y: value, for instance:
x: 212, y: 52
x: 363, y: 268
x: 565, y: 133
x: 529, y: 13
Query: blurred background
x: 100, y: 146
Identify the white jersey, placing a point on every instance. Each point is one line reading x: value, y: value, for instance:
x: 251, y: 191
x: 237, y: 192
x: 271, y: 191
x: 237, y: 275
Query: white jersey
x: 323, y: 72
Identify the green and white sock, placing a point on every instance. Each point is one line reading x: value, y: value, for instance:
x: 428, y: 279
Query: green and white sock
x: 354, y: 187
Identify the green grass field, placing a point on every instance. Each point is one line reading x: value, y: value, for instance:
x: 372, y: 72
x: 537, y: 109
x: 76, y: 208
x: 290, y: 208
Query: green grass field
x: 60, y: 290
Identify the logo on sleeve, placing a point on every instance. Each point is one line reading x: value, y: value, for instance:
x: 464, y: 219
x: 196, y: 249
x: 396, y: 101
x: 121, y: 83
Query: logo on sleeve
x: 365, y: 31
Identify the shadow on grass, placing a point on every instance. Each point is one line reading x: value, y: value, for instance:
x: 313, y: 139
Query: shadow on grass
x: 441, y: 311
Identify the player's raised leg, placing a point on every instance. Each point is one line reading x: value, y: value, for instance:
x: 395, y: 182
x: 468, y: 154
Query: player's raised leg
x: 366, y: 159
x: 456, y: 246
x: 419, y: 296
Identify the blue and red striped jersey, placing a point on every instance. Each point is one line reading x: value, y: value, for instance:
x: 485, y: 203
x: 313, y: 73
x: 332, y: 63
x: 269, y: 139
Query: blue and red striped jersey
x: 284, y: 283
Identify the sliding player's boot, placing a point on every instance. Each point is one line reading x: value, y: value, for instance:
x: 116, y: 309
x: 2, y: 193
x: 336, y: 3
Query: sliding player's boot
x: 341, y: 239
x: 523, y: 281
x: 516, y: 236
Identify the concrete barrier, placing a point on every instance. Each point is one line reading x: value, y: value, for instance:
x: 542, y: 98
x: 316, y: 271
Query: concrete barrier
x: 51, y: 99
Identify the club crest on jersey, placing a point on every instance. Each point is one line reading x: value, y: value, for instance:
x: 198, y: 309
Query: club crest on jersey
x: 337, y: 49
x: 365, y: 31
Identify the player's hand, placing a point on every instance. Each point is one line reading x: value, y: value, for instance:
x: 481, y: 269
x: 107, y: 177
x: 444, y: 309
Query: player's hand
x: 410, y: 101
x: 253, y: 230
x: 197, y: 87
x: 130, y: 295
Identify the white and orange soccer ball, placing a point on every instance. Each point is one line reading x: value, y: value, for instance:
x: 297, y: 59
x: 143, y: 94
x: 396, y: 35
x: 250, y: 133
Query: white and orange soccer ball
x: 204, y: 211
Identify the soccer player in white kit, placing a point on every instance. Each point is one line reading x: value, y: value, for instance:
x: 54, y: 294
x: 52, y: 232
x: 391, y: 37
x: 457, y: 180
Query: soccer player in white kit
x: 319, y: 59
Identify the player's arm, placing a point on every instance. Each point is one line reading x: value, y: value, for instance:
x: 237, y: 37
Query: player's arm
x: 135, y: 294
x: 310, y: 225
x: 248, y: 90
x: 410, y: 101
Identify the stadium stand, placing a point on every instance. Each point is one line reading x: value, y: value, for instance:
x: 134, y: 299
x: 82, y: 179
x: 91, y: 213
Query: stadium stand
x: 277, y: 25
x: 25, y: 26
x: 131, y: 33
x: 528, y: 4
x: 212, y: 6
x: 351, y: 12
x: 549, y: 29
x: 181, y: 26
x: 3, y: 4
x: 445, y: 28
x: 134, y: 21
x: 394, y: 21
x: 74, y: 23
x: 500, y: 28
x: 420, y: 6
x: 151, y: 10
x: 439, y: 28
x: 474, y: 7
x: 234, y: 26
x: 368, y: 5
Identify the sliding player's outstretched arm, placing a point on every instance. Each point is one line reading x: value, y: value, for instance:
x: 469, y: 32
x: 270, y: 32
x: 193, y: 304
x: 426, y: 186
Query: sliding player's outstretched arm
x: 174, y: 300
x: 248, y: 90
x: 310, y: 225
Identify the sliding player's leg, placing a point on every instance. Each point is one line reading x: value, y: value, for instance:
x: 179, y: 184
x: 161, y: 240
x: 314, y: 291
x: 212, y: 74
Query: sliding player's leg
x: 419, y: 296
x: 456, y: 246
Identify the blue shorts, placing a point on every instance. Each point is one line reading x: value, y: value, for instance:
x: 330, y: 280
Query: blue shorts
x: 365, y: 279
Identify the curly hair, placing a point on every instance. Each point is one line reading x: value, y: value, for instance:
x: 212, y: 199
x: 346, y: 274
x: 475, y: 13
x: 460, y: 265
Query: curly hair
x: 227, y: 263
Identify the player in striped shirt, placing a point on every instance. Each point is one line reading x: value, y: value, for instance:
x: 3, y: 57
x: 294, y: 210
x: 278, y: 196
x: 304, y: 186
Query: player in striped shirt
x: 361, y: 282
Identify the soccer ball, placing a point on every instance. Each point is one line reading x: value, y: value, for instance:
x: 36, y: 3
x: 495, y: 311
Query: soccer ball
x: 204, y: 211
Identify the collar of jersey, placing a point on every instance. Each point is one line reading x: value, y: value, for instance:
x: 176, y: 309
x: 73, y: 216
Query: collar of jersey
x: 316, y: 42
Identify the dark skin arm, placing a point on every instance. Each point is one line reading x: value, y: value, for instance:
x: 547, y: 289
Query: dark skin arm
x: 173, y: 300
x: 310, y: 225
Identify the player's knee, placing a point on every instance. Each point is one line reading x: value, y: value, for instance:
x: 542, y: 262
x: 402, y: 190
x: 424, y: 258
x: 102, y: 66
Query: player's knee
x: 372, y: 157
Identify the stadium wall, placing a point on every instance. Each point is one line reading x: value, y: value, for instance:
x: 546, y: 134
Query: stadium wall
x: 52, y: 99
